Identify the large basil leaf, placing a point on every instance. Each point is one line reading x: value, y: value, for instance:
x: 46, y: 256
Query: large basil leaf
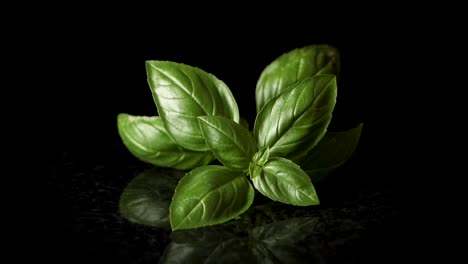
x: 298, y: 118
x: 295, y: 66
x: 147, y: 139
x: 147, y: 197
x: 331, y: 152
x: 231, y: 143
x: 182, y: 93
x: 210, y: 195
x: 284, y: 181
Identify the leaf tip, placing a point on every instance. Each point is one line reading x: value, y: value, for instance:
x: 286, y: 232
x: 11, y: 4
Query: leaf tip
x: 360, y: 126
x: 316, y: 200
x: 148, y: 64
x: 174, y: 227
x: 122, y: 116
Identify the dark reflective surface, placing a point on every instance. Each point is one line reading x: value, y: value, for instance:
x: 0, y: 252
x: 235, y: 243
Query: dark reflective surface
x: 279, y: 241
x: 274, y: 233
x: 341, y: 231
x: 84, y: 64
x: 147, y: 198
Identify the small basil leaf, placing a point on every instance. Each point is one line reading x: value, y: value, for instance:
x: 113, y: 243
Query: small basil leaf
x: 331, y: 152
x: 298, y: 118
x: 147, y: 197
x: 231, y: 143
x: 262, y: 156
x: 182, y: 93
x: 258, y: 160
x: 284, y: 181
x: 210, y: 195
x: 254, y: 171
x: 295, y: 66
x: 147, y: 139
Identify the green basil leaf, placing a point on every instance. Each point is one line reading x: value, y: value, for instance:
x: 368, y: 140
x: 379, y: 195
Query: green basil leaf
x: 262, y: 156
x: 258, y: 160
x: 182, y: 93
x: 295, y: 66
x: 331, y: 152
x: 255, y: 171
x: 147, y: 197
x: 298, y: 118
x: 231, y: 143
x: 147, y: 139
x: 210, y: 195
x: 284, y: 181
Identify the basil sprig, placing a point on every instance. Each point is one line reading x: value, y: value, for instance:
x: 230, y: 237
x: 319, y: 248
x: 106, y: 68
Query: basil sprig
x: 199, y: 121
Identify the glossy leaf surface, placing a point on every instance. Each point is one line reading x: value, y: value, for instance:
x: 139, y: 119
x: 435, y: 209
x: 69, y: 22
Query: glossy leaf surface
x: 147, y: 139
x: 283, y: 181
x: 232, y: 144
x: 298, y: 118
x: 210, y: 195
x: 182, y: 93
x: 293, y: 67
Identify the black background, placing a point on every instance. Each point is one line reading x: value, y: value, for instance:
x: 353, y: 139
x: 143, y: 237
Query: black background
x: 82, y: 64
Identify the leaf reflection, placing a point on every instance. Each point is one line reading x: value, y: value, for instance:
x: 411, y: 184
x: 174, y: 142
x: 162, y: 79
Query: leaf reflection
x: 147, y: 197
x: 236, y: 242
